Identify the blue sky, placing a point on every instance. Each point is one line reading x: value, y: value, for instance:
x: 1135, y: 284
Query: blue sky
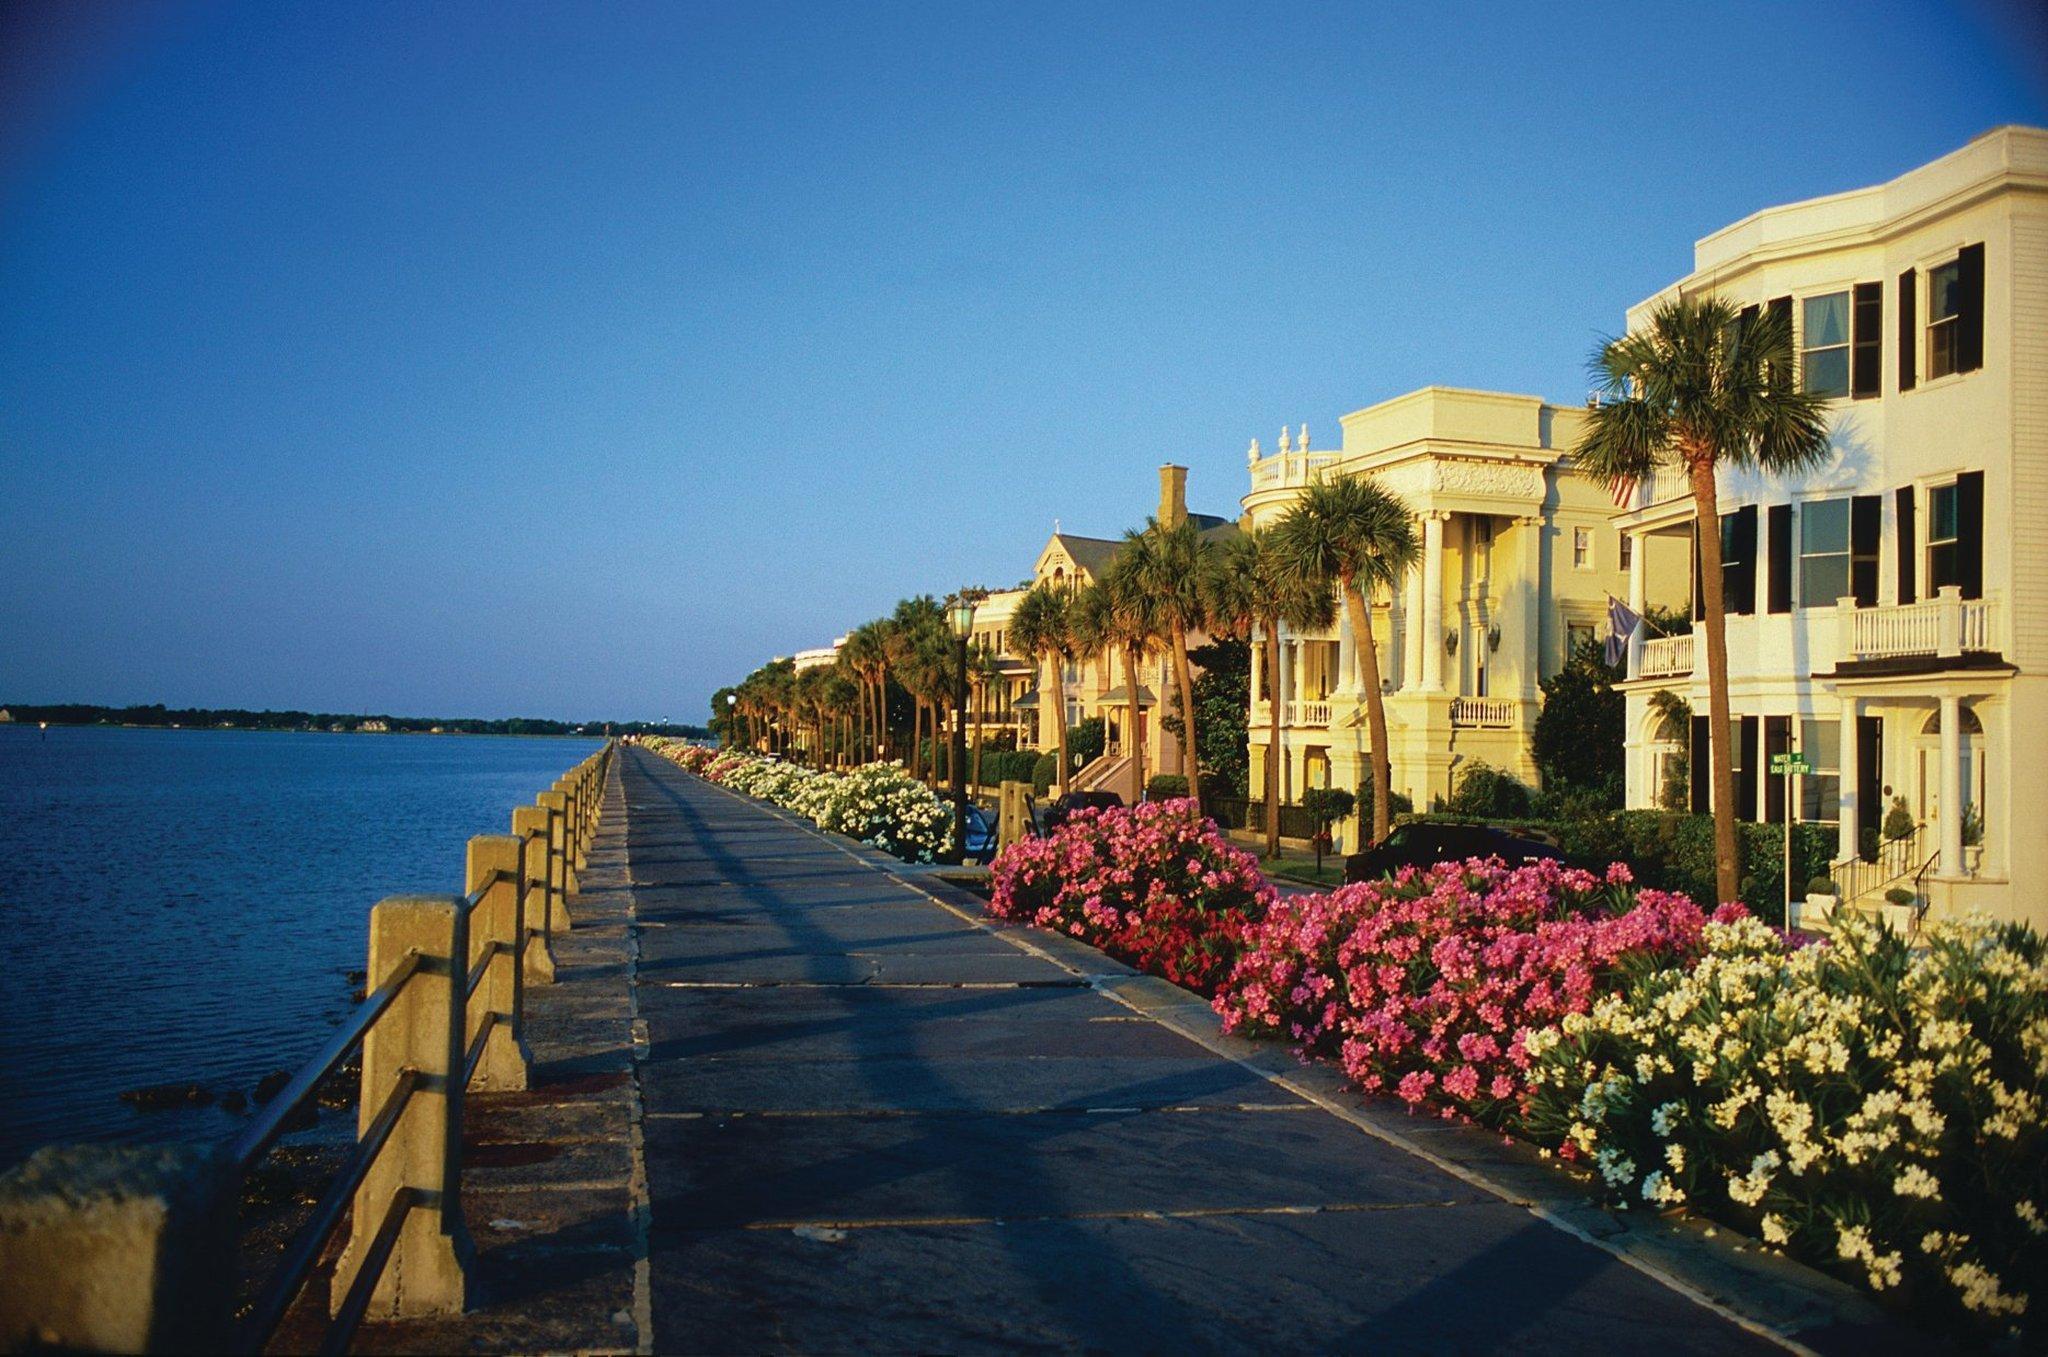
x: 573, y: 359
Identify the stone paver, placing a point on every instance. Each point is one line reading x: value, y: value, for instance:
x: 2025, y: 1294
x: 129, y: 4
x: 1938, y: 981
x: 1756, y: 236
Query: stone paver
x: 873, y: 1123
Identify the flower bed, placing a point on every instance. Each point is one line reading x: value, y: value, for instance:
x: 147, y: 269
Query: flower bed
x: 1154, y: 885
x: 1429, y: 986
x: 879, y: 804
x: 1855, y: 1103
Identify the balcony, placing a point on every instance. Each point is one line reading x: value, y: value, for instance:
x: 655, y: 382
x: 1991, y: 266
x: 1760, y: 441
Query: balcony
x: 1667, y: 656
x: 1293, y: 715
x: 1946, y: 625
x: 1483, y: 713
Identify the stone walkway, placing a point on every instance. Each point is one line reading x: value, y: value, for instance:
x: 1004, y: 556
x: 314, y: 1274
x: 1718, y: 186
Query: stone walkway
x: 792, y: 1097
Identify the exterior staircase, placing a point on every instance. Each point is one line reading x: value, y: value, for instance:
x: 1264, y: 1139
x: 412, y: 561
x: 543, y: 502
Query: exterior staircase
x: 1106, y: 773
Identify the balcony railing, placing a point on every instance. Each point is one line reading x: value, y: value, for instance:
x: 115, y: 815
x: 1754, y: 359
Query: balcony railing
x: 1483, y: 713
x: 1295, y: 715
x: 1666, y: 656
x: 1946, y: 625
x: 1289, y: 468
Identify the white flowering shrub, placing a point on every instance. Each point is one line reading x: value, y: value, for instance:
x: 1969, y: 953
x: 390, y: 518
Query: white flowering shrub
x: 1861, y: 1104
x: 879, y: 804
x: 882, y: 805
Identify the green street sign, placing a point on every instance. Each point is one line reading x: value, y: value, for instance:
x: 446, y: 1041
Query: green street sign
x: 1790, y: 763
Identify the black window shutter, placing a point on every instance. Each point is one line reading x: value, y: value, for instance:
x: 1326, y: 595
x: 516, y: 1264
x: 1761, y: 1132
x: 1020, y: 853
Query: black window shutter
x: 1777, y: 740
x: 1745, y: 775
x: 1905, y: 540
x: 1970, y: 317
x: 1970, y: 533
x: 1781, y: 311
x: 1738, y: 568
x: 1779, y: 529
x: 1909, y: 337
x: 1702, y: 765
x: 1867, y: 366
x: 1866, y: 519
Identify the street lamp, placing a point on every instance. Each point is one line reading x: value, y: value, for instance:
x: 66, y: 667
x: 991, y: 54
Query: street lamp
x: 732, y: 735
x: 962, y: 618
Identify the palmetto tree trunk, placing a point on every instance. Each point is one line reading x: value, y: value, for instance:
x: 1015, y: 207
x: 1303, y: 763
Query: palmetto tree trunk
x: 1707, y: 514
x: 1184, y: 679
x: 1375, y: 707
x: 1133, y: 742
x: 1272, y: 644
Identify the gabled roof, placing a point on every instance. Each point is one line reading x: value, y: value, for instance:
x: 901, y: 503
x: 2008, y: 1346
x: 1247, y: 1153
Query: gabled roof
x: 1092, y: 554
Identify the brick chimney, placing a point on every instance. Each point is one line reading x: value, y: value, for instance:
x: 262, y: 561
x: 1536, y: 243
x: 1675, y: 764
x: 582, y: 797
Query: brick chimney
x: 1173, y: 495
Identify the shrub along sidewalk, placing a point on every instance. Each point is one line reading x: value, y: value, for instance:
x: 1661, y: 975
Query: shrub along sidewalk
x: 1862, y: 1107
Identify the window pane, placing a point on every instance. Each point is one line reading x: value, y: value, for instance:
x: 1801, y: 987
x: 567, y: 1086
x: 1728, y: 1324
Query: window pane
x: 1822, y: 580
x: 1827, y: 320
x: 1941, y: 514
x: 1944, y: 292
x: 1824, y: 526
x: 1826, y: 373
x: 1821, y: 743
x: 1820, y: 797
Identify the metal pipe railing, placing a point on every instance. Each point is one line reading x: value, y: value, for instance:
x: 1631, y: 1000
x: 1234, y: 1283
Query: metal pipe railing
x: 419, y: 1057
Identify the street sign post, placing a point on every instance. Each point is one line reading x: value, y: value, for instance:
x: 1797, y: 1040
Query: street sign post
x: 1788, y: 764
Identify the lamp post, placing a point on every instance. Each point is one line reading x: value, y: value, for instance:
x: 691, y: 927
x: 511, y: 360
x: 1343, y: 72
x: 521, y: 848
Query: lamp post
x: 732, y: 734
x: 962, y: 617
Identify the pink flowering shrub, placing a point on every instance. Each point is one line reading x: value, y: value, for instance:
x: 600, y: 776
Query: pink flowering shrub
x: 1154, y: 885
x: 1428, y: 985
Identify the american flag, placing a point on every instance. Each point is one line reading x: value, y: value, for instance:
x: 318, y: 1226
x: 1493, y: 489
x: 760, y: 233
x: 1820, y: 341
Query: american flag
x: 1624, y: 491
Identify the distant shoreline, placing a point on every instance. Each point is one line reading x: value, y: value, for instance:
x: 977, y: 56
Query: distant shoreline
x: 159, y: 717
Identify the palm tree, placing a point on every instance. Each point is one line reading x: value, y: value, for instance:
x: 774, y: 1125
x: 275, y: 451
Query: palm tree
x: 1116, y: 613
x: 1169, y: 564
x: 983, y: 674
x: 861, y: 657
x: 1250, y: 590
x: 1042, y: 627
x: 1704, y: 385
x: 1349, y: 532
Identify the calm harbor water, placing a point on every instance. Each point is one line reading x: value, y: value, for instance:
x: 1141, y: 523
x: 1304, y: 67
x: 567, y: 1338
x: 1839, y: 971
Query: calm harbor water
x: 187, y: 904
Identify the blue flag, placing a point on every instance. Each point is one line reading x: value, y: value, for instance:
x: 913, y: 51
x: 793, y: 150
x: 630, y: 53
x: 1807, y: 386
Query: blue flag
x: 1622, y: 622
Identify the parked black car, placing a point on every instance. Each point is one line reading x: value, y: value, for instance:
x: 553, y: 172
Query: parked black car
x: 981, y: 833
x: 1424, y: 845
x: 1056, y: 814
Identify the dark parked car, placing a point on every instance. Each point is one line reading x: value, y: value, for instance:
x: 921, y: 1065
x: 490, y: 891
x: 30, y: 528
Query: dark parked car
x: 1056, y: 814
x: 1423, y: 845
x: 981, y: 833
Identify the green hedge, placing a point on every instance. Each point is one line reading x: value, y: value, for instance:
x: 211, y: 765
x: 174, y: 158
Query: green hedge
x: 1166, y: 787
x: 1008, y: 765
x: 1676, y: 852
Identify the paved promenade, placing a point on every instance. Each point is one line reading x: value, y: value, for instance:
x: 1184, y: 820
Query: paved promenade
x: 790, y: 1097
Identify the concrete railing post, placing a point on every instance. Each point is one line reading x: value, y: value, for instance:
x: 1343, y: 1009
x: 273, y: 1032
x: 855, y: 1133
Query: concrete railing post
x: 557, y: 803
x: 117, y: 1248
x: 419, y: 1037
x: 1010, y: 816
x: 531, y: 823
x: 500, y: 997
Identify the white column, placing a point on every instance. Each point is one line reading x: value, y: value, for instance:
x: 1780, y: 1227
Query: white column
x: 1636, y: 590
x: 1433, y: 601
x: 1530, y: 591
x: 1849, y: 816
x: 1347, y: 655
x: 1411, y: 627
x: 1258, y: 666
x: 1951, y: 786
x: 1287, y: 675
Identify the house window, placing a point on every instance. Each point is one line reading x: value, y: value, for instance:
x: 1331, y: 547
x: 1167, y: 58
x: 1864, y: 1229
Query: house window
x: 1824, y: 345
x: 1578, y: 635
x: 1823, y: 552
x: 1943, y: 567
x: 1820, y: 790
x: 1628, y: 551
x: 1944, y: 317
x: 1582, y: 548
